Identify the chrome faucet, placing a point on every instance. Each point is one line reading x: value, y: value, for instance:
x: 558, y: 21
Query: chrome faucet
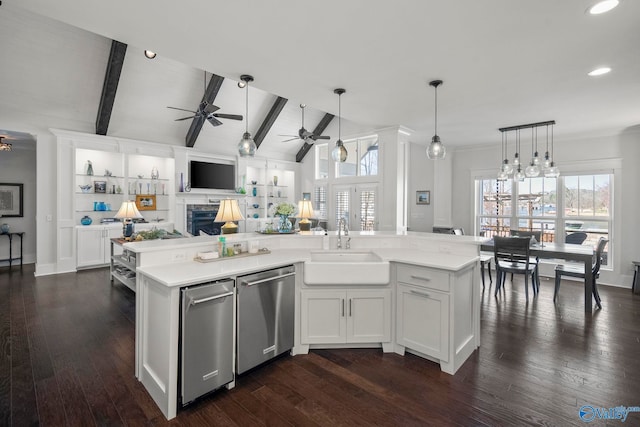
x: 342, y: 223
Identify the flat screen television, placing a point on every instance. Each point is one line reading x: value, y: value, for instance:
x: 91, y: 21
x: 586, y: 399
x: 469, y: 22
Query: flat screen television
x: 217, y: 176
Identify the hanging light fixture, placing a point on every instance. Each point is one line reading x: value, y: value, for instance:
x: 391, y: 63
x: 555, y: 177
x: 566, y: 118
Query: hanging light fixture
x: 518, y: 175
x: 339, y: 152
x: 247, y: 146
x: 547, y: 161
x: 4, y: 146
x: 506, y: 167
x: 436, y: 150
x: 502, y: 175
x: 532, y: 170
x: 552, y: 171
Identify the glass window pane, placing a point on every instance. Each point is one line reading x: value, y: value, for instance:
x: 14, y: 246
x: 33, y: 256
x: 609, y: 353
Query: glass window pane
x: 368, y: 153
x: 602, y: 196
x: 585, y: 195
x: 342, y: 206
x: 322, y: 161
x: 367, y: 210
x: 349, y: 167
x: 571, y: 195
x: 320, y: 202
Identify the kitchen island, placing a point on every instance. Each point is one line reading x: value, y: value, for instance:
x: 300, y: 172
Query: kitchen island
x: 429, y: 306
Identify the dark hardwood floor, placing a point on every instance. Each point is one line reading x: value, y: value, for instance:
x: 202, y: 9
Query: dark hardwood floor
x: 68, y: 352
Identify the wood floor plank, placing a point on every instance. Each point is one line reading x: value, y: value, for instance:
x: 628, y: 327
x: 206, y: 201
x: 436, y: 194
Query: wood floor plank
x: 67, y: 350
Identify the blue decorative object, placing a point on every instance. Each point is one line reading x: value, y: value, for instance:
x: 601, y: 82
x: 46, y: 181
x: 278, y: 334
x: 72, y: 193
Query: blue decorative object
x: 254, y: 191
x: 4, y: 228
x: 86, y: 220
x: 284, y: 226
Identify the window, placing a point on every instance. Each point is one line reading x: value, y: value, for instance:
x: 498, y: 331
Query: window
x: 362, y: 159
x: 554, y: 206
x: 322, y: 161
x: 320, y: 201
x: 357, y: 205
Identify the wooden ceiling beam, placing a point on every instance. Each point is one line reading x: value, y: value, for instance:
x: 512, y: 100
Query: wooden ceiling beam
x: 110, y: 86
x: 209, y: 96
x: 317, y: 131
x: 269, y: 120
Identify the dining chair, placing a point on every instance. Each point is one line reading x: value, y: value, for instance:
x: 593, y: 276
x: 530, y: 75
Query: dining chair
x: 485, y: 259
x: 576, y: 238
x: 578, y: 271
x: 512, y: 255
x: 536, y: 235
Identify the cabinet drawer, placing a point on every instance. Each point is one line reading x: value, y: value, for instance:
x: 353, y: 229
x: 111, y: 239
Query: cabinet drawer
x: 423, y: 276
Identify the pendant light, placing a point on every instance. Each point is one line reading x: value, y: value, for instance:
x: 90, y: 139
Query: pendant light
x: 518, y: 175
x: 502, y: 175
x: 552, y: 171
x: 339, y: 152
x: 532, y: 170
x: 436, y: 150
x: 536, y: 158
x: 547, y: 161
x: 246, y: 146
x: 506, y: 167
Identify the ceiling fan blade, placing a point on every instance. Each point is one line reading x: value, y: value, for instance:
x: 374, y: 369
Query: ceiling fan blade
x: 227, y: 116
x: 214, y: 121
x: 182, y: 109
x: 292, y: 139
x: 289, y: 135
x: 208, y: 108
x: 316, y: 137
x: 186, y: 118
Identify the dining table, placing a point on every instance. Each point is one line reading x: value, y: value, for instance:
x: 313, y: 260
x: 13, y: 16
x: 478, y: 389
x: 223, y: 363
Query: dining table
x: 567, y: 252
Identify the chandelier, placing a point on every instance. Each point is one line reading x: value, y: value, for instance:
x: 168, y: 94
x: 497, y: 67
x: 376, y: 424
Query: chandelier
x: 536, y: 166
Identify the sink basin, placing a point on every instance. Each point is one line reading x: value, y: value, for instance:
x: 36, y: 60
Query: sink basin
x: 344, y: 256
x: 346, y: 268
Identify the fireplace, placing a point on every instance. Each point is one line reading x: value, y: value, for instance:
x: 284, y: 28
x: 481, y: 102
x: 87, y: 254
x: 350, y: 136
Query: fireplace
x: 202, y: 218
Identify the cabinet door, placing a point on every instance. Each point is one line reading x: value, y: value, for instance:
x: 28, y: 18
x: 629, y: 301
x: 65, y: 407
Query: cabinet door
x: 323, y: 317
x: 369, y: 316
x: 91, y: 248
x: 423, y: 321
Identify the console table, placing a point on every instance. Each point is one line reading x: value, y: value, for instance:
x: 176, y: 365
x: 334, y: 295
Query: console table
x: 11, y: 258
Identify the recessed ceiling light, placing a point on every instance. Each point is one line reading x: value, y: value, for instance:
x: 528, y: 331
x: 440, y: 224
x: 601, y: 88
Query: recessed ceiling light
x: 603, y: 6
x: 149, y: 54
x: 599, y: 71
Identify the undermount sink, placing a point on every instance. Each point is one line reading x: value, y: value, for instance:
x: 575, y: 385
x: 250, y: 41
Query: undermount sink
x: 346, y: 268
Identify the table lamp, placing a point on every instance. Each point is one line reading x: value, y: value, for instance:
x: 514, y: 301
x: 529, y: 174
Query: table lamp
x: 305, y: 211
x: 228, y: 212
x: 127, y: 211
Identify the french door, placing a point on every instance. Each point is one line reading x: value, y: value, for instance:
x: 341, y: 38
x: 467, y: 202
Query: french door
x: 357, y: 204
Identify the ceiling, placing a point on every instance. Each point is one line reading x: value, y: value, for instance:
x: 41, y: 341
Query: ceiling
x: 503, y: 63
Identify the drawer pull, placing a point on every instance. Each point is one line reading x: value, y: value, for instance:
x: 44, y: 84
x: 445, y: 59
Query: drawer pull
x: 422, y: 294
x: 426, y: 279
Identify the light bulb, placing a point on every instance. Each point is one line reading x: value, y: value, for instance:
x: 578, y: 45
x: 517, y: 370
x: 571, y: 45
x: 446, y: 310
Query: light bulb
x: 532, y: 170
x: 547, y: 161
x: 506, y: 167
x: 339, y: 153
x: 436, y: 150
x: 519, y: 175
x: 536, y: 159
x: 502, y: 176
x: 552, y: 172
x: 516, y: 160
x: 246, y: 146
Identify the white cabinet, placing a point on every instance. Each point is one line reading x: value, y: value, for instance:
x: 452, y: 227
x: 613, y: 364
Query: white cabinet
x: 93, y: 244
x: 435, y: 314
x: 339, y: 316
x: 423, y: 320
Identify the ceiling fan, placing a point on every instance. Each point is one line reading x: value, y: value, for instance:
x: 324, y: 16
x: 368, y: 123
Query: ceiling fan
x: 304, y: 134
x: 208, y: 111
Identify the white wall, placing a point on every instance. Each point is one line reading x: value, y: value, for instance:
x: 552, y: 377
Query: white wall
x: 420, y: 217
x: 19, y: 167
x: 570, y: 154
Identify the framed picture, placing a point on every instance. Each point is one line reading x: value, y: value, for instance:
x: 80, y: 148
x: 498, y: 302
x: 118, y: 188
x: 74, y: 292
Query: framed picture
x: 306, y: 196
x: 423, y: 197
x: 11, y: 200
x: 146, y: 202
x: 100, y: 186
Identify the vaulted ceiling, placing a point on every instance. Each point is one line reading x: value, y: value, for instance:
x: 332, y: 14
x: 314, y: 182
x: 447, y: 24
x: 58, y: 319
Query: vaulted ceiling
x: 503, y: 63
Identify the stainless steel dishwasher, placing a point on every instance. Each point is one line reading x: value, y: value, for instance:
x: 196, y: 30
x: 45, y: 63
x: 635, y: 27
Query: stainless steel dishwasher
x: 206, y: 337
x: 265, y: 316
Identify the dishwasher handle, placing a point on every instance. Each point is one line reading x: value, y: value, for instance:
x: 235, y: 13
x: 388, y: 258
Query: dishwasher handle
x: 268, y: 279
x: 211, y: 298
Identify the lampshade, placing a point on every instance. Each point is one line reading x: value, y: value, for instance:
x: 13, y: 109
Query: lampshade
x: 127, y: 211
x: 305, y: 211
x: 228, y: 212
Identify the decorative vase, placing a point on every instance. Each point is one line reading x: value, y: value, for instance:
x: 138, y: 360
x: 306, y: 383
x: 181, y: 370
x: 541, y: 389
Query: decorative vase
x: 154, y: 173
x: 275, y: 180
x: 181, y: 188
x: 89, y: 167
x: 254, y: 191
x: 4, y: 228
x: 284, y: 226
x: 86, y: 220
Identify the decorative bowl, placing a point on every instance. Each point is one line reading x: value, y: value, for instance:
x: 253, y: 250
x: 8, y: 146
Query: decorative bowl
x: 85, y: 188
x: 256, y: 215
x: 255, y: 205
x: 254, y: 182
